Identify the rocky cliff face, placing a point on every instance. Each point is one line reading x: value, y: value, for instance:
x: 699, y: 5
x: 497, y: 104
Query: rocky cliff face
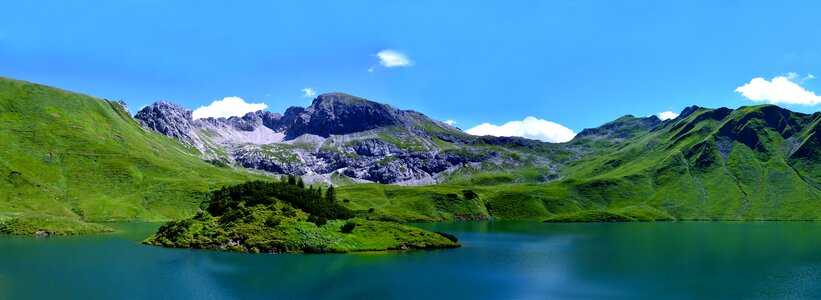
x: 169, y: 119
x: 340, y: 114
x: 342, y: 137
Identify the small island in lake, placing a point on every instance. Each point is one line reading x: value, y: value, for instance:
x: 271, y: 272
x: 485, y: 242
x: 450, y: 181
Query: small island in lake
x: 286, y: 217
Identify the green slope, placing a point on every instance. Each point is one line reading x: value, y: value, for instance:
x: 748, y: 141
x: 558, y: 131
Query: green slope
x: 77, y: 157
x: 753, y: 163
x: 713, y: 164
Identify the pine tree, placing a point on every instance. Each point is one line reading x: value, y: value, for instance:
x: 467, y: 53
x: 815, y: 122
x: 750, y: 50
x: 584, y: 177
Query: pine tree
x: 330, y: 195
x: 300, y: 183
x: 291, y: 180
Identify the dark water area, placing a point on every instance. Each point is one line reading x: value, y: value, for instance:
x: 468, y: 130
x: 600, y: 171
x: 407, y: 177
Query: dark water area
x: 676, y: 260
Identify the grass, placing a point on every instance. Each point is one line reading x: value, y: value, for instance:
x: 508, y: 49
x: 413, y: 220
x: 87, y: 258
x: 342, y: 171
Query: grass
x: 48, y: 225
x: 72, y: 156
x: 406, y: 204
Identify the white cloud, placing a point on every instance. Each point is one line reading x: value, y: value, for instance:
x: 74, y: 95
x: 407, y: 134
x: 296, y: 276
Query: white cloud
x: 392, y: 58
x: 667, y: 115
x: 308, y: 92
x: 780, y: 89
x: 530, y: 127
x: 227, y: 107
x: 450, y: 122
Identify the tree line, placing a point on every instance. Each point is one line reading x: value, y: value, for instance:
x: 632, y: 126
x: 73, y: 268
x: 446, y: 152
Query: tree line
x: 321, y: 207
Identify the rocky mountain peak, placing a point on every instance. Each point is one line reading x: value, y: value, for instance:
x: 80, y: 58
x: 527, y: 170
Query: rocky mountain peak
x: 340, y: 99
x: 337, y: 113
x: 169, y: 119
x: 123, y: 105
x: 688, y: 111
x: 621, y: 128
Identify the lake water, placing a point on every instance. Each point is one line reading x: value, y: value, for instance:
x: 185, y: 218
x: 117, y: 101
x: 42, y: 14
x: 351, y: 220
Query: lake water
x: 678, y: 260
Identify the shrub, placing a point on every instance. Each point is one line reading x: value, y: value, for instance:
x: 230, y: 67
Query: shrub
x: 217, y: 163
x: 370, y: 210
x: 273, y: 221
x: 469, y: 194
x: 348, y: 227
x: 319, y: 221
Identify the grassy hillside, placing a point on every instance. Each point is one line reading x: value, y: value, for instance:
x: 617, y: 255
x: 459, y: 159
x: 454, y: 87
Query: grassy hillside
x: 73, y: 156
x: 754, y: 163
x: 713, y: 164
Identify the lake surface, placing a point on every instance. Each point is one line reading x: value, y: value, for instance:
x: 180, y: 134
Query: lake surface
x: 678, y: 260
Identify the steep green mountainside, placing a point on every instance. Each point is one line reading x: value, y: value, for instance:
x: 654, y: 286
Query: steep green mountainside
x: 753, y: 163
x: 75, y: 157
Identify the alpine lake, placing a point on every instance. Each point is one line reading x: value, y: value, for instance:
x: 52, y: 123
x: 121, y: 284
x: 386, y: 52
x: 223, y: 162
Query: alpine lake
x: 498, y: 260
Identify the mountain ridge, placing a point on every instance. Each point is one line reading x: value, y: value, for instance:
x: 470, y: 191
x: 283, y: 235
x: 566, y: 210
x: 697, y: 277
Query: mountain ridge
x: 337, y: 137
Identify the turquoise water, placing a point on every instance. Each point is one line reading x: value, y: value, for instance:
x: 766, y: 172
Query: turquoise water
x: 499, y: 260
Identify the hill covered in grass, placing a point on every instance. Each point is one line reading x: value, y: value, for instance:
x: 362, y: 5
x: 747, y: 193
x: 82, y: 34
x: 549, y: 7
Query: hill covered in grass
x: 279, y: 217
x: 82, y: 159
x: 752, y: 163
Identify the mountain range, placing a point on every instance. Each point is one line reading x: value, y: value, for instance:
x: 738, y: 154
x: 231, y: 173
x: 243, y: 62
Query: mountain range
x: 341, y: 138
x: 74, y: 157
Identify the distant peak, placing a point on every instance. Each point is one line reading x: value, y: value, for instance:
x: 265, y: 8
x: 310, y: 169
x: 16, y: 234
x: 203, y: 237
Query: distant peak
x: 339, y: 98
x: 688, y: 111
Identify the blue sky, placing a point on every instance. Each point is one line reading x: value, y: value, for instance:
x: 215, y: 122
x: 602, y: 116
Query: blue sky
x: 575, y: 63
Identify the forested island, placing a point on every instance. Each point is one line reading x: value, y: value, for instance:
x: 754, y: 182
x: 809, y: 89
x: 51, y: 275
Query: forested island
x: 287, y: 217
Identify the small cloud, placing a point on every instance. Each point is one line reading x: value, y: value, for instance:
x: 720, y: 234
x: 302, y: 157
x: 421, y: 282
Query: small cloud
x: 781, y: 89
x: 392, y: 58
x: 370, y: 70
x: 667, y: 115
x: 308, y: 92
x: 227, y: 107
x: 450, y: 122
x: 530, y: 127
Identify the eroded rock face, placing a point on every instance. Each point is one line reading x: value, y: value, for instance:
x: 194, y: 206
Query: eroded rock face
x: 248, y: 122
x: 169, y: 119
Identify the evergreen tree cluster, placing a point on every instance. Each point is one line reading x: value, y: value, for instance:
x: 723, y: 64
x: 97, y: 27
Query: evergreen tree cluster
x: 290, y: 191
